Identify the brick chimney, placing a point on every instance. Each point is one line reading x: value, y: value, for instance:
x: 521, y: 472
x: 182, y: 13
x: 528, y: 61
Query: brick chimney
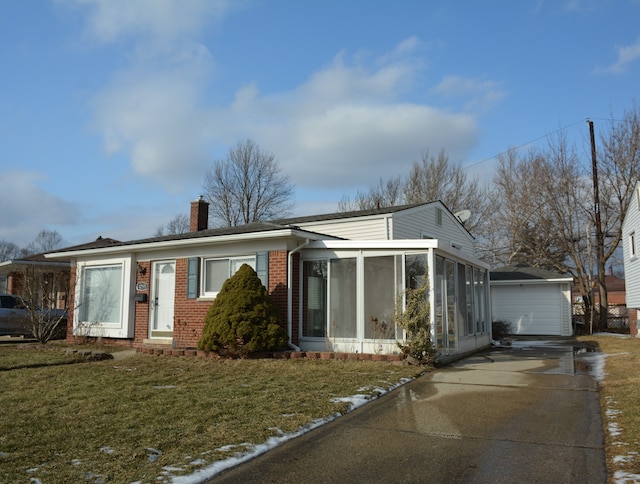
x: 199, y: 217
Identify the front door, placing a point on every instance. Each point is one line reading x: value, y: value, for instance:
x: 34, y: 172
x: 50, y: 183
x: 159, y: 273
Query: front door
x: 162, y: 299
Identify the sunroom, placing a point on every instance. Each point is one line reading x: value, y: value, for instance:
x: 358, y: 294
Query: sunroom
x: 349, y: 291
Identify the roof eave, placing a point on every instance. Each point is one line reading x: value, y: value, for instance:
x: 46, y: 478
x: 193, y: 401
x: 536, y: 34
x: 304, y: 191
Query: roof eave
x: 196, y: 241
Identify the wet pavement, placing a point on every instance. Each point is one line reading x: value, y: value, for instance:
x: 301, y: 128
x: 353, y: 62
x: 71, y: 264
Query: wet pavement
x: 525, y: 413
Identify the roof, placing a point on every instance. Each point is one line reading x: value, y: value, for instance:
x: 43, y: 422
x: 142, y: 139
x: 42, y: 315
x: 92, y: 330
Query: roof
x: 352, y: 214
x: 523, y: 272
x: 42, y: 259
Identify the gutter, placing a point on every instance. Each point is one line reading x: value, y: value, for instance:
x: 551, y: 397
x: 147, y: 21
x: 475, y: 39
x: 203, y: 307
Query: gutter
x: 290, y: 293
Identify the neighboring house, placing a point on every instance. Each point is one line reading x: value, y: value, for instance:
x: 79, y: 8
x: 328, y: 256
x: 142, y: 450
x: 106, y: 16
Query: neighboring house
x: 42, y: 280
x: 631, y: 255
x: 534, y: 301
x: 335, y: 279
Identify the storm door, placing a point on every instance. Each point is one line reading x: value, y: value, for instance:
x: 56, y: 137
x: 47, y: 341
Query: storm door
x: 162, y: 299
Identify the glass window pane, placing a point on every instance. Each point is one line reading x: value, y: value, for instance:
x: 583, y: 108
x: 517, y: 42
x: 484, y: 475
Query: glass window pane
x: 216, y: 271
x: 237, y: 264
x: 314, y: 319
x: 342, y: 298
x: 101, y: 296
x: 470, y: 291
x: 462, y: 300
x: 450, y: 274
x: 379, y: 297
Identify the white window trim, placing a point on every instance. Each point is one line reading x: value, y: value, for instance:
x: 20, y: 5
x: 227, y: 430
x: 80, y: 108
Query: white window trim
x: 203, y: 272
x: 632, y: 246
x: 121, y: 329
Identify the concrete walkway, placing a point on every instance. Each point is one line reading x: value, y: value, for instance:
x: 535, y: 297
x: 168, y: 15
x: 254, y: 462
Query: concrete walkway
x: 526, y: 414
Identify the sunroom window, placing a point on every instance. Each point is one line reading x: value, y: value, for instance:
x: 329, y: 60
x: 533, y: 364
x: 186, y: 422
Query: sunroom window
x: 216, y: 271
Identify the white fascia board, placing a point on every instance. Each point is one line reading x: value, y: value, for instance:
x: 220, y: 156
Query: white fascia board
x: 189, y: 242
x: 397, y: 244
x: 374, y: 244
x: 531, y: 281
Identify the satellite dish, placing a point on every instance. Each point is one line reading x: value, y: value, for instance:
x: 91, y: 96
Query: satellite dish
x: 463, y: 215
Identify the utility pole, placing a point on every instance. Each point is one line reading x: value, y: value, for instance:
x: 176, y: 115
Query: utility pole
x: 602, y: 288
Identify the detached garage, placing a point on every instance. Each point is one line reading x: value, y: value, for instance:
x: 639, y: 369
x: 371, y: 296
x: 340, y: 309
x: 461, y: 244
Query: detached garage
x: 534, y: 301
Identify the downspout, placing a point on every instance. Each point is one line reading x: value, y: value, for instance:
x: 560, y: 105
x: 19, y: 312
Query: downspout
x: 290, y: 293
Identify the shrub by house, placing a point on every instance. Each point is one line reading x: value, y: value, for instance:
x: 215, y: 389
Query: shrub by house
x: 243, y: 319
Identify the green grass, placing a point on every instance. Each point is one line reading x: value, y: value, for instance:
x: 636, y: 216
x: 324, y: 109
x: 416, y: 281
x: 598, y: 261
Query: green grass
x: 105, y: 420
x: 620, y: 401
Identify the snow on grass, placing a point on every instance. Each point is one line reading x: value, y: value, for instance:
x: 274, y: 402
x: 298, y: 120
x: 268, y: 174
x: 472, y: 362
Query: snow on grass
x: 251, y: 451
x: 620, y: 476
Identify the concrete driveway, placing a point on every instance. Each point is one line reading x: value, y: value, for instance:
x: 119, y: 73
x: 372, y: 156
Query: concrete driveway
x: 530, y: 413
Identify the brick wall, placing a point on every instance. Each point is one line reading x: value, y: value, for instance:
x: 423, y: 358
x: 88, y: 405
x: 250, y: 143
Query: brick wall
x: 72, y: 299
x: 634, y: 329
x: 189, y: 317
x: 141, y: 311
x: 189, y: 314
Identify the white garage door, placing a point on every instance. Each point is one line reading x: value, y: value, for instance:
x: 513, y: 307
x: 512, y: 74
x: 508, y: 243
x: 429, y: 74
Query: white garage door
x: 530, y: 308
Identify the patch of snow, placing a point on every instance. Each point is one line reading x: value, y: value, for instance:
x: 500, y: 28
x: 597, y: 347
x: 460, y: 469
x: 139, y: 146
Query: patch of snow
x: 623, y: 477
x: 76, y: 462
x: 107, y: 450
x: 622, y: 458
x: 153, y: 454
x: 165, y: 387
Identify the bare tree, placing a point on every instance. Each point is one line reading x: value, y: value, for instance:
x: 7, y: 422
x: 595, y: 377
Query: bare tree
x: 385, y: 194
x: 44, y: 295
x: 8, y: 251
x: 45, y: 241
x: 247, y: 186
x: 436, y: 178
x: 177, y: 225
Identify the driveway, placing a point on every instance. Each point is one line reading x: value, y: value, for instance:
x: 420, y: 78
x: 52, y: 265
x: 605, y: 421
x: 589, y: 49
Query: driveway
x: 529, y: 413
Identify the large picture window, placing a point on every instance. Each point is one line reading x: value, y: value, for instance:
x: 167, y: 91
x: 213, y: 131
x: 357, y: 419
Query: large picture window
x: 216, y: 271
x: 101, y: 294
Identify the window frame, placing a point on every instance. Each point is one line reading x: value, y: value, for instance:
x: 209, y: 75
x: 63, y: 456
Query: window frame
x: 123, y: 327
x: 204, y: 293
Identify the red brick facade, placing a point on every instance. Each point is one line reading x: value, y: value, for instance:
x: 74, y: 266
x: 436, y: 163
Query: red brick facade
x: 189, y: 314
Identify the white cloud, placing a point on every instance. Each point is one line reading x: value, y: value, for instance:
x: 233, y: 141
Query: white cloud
x: 155, y: 115
x: 109, y: 20
x: 626, y: 56
x: 348, y: 125
x: 481, y: 95
x: 33, y: 208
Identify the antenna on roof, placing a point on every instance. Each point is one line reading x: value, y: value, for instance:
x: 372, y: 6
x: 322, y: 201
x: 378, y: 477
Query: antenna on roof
x: 463, y: 215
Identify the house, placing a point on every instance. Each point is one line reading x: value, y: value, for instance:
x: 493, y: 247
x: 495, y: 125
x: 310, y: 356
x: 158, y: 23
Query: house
x: 534, y: 301
x: 334, y: 277
x: 44, y: 281
x: 630, y: 248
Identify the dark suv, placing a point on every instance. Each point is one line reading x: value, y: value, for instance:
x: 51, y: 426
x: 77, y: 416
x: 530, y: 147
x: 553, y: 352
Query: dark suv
x: 15, y: 318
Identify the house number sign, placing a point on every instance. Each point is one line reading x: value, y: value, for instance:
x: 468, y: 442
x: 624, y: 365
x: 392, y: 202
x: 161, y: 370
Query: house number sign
x: 142, y: 286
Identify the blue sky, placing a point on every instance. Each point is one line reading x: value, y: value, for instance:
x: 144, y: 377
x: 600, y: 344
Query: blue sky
x: 111, y: 111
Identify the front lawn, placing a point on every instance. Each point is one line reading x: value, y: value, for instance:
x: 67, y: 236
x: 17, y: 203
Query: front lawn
x: 147, y: 417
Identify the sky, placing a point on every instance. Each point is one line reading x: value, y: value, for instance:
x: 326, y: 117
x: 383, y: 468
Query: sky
x: 112, y: 111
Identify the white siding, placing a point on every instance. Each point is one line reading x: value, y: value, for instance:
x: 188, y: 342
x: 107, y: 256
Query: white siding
x: 630, y: 226
x: 420, y: 222
x: 532, y: 309
x: 360, y: 228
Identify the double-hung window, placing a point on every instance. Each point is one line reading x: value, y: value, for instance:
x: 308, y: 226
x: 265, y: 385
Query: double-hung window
x: 216, y: 271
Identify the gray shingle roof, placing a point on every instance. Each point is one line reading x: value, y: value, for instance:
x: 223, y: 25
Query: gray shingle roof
x: 520, y: 272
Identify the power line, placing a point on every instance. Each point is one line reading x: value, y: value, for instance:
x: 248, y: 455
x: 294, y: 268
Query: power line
x: 528, y: 142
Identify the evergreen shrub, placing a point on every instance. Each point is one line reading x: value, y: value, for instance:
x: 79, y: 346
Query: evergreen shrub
x: 243, y: 319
